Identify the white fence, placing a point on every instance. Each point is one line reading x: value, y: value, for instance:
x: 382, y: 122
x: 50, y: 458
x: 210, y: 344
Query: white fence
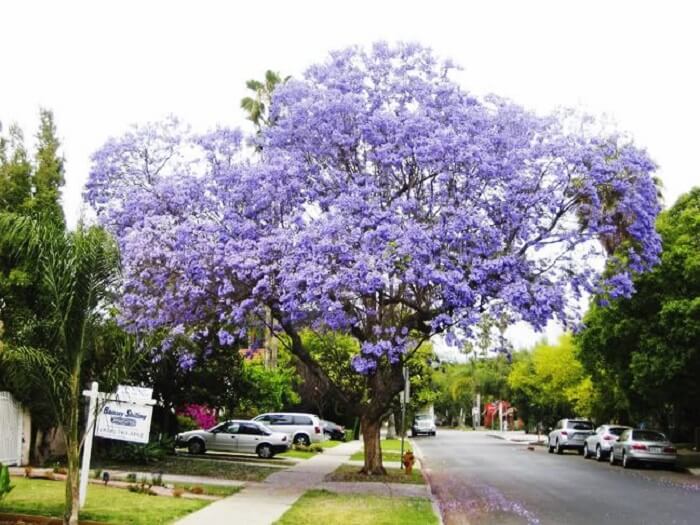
x: 11, y: 430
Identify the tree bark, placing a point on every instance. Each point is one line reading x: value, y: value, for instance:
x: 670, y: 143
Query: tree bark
x: 373, y: 451
x: 72, y: 502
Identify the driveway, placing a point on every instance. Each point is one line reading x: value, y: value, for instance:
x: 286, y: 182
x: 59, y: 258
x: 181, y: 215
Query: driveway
x: 478, y: 479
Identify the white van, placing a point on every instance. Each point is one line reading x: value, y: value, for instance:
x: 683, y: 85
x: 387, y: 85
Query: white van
x: 302, y: 429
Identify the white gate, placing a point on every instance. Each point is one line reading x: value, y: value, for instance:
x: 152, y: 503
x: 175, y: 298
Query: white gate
x: 10, y: 430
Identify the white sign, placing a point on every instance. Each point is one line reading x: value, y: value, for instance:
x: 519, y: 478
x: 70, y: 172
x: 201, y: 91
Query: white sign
x: 134, y: 394
x: 124, y: 421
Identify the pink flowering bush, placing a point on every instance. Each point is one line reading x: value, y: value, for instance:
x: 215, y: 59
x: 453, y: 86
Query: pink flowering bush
x: 202, y: 415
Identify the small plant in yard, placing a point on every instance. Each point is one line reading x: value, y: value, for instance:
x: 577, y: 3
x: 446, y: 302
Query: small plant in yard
x: 157, y: 479
x: 131, y: 477
x: 143, y: 487
x: 177, y: 493
x: 28, y: 471
x: 309, y: 448
x: 97, y: 474
x: 5, y: 487
x: 197, y: 490
x: 408, y: 461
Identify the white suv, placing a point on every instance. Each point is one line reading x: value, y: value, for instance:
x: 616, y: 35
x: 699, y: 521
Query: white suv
x: 302, y: 429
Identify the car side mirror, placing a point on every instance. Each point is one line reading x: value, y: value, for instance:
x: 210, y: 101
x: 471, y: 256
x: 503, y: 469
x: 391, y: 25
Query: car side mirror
x: 215, y: 431
x: 549, y: 429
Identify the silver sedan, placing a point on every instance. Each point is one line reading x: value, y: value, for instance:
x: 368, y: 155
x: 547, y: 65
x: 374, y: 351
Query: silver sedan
x: 600, y: 444
x: 637, y: 446
x: 235, y: 436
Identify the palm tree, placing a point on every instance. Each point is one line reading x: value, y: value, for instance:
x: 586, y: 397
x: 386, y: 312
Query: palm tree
x: 79, y: 272
x: 258, y: 107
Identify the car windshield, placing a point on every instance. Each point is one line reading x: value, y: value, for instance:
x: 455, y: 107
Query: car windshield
x: 616, y: 431
x: 264, y: 428
x: 423, y: 417
x: 647, y: 435
x: 580, y: 425
x: 220, y: 426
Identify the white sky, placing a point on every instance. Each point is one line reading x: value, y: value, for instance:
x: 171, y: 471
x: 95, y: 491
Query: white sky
x: 101, y: 66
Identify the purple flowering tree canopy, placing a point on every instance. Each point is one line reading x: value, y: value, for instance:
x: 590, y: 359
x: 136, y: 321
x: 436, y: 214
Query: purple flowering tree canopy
x: 386, y: 202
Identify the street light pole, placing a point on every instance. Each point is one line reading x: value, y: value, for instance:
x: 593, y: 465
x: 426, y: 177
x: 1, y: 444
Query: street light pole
x: 405, y: 393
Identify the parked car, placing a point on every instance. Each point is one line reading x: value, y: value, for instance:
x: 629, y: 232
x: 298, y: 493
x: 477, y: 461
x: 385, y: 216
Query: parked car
x: 333, y: 430
x: 569, y: 434
x: 302, y: 429
x: 600, y: 444
x: 235, y: 436
x: 423, y: 424
x: 637, y: 446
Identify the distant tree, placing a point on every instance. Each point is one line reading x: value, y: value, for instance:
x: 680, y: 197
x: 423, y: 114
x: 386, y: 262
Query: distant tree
x: 48, y: 175
x: 458, y: 384
x: 647, y: 347
x: 258, y: 106
x: 15, y: 172
x: 549, y: 382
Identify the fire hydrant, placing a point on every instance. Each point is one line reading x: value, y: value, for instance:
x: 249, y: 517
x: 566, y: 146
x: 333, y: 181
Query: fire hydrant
x: 408, y: 460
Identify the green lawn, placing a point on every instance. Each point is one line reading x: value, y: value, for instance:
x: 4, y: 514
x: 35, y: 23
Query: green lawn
x: 215, y: 468
x: 359, y: 509
x: 393, y: 475
x: 110, y: 505
x: 391, y: 450
x: 304, y: 454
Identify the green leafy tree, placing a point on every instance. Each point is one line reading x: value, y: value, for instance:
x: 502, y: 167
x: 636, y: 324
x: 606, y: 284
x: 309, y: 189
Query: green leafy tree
x: 646, y: 349
x: 24, y: 191
x: 79, y: 272
x: 48, y: 175
x: 549, y: 382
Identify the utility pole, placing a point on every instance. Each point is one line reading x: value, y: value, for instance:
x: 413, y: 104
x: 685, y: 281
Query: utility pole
x: 404, y: 401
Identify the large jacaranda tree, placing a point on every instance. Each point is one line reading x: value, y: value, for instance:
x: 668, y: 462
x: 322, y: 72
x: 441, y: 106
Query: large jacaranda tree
x: 385, y: 202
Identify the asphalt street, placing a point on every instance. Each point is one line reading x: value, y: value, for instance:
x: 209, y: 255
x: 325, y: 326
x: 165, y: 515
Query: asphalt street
x: 478, y: 479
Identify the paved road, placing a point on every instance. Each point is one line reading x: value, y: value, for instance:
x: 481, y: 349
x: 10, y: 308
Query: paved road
x: 482, y: 480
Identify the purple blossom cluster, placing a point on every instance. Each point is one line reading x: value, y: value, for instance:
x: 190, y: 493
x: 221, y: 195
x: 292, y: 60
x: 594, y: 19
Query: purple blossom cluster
x: 385, y: 201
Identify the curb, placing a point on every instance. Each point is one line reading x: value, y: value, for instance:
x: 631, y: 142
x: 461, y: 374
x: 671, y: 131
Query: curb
x: 426, y: 474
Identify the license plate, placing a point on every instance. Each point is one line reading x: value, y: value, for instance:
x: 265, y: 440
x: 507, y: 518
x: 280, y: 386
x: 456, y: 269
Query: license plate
x: 655, y: 450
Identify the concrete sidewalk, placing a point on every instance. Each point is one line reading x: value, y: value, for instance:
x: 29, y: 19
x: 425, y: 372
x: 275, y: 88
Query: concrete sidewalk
x: 263, y: 503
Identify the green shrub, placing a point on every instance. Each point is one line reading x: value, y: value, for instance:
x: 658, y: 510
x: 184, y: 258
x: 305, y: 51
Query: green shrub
x: 141, y: 454
x: 5, y: 487
x: 315, y: 448
x: 185, y: 423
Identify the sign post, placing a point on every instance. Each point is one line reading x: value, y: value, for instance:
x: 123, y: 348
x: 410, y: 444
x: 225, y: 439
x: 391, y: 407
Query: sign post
x: 404, y: 400
x: 125, y: 416
x: 87, y: 446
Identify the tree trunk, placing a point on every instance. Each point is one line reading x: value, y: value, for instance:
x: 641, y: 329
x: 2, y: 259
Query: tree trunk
x: 72, y: 503
x: 373, y: 452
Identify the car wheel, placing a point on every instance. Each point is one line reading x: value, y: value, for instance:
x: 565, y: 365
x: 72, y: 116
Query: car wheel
x: 558, y: 448
x: 550, y: 448
x: 302, y: 439
x: 612, y: 457
x: 598, y: 453
x: 265, y: 451
x: 583, y: 452
x: 626, y: 462
x: 586, y: 452
x: 195, y: 447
